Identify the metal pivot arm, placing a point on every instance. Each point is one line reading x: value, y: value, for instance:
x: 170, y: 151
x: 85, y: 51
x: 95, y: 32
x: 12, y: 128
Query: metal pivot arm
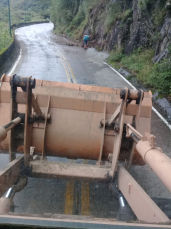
x: 137, y: 95
x: 19, y: 81
x: 127, y: 96
x: 26, y: 84
x: 119, y: 130
x: 6, y: 202
x: 28, y: 125
x: 44, y: 133
x: 15, y: 82
x: 111, y: 121
x: 39, y: 116
x: 154, y: 157
x: 36, y: 106
x: 7, y: 127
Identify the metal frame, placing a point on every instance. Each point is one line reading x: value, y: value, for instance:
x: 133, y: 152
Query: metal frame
x: 60, y: 221
x: 143, y: 206
x: 103, y: 172
x: 45, y: 126
x: 69, y: 171
x: 28, y: 125
x: 10, y: 174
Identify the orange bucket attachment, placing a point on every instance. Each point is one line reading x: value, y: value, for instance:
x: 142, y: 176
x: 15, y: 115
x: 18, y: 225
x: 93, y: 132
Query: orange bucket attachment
x: 75, y: 113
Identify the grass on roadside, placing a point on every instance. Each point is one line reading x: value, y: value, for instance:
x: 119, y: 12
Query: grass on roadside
x: 154, y: 76
x: 5, y: 39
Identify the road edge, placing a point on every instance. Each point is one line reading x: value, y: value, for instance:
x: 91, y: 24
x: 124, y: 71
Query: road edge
x: 154, y: 109
x: 15, y: 27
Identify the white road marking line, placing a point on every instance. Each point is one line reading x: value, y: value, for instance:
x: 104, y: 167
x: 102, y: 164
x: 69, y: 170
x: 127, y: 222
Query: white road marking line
x: 162, y: 118
x: 157, y: 113
x: 119, y: 75
x: 11, y: 72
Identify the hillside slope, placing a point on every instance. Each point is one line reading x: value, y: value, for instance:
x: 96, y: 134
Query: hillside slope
x: 115, y: 23
x: 25, y: 10
x: 135, y: 31
x: 21, y: 11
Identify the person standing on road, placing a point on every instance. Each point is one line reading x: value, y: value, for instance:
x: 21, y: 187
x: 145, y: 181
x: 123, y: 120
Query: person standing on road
x: 86, y: 40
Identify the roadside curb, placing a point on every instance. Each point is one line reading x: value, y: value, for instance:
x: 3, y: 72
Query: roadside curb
x: 154, y: 109
x: 16, y: 26
x: 14, y: 50
x: 8, y: 56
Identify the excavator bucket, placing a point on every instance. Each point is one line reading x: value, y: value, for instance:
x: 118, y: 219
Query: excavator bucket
x: 107, y: 126
x: 71, y: 120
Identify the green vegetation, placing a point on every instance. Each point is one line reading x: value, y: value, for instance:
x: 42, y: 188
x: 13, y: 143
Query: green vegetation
x: 160, y: 77
x: 25, y: 10
x: 5, y: 39
x: 21, y: 11
x: 158, y: 13
x: 116, y: 12
x: 71, y: 17
x: 155, y: 76
x: 146, y: 4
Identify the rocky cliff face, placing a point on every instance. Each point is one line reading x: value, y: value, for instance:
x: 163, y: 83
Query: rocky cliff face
x: 136, y: 23
x: 165, y: 40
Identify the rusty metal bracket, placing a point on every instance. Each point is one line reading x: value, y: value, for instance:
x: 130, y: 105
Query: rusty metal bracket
x: 131, y: 130
x: 27, y: 84
x: 139, y: 103
x: 110, y: 122
x: 118, y: 137
x: 38, y: 116
x: 28, y: 125
x: 118, y: 122
x: 44, y: 134
x: 20, y: 81
x: 130, y: 95
x: 14, y: 111
x: 36, y: 106
x: 102, y: 138
x: 114, y: 116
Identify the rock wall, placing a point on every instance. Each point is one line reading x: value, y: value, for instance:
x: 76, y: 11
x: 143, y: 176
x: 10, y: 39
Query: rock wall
x: 141, y: 24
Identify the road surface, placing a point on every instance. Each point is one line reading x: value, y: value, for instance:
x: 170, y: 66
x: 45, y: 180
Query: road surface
x: 46, y: 56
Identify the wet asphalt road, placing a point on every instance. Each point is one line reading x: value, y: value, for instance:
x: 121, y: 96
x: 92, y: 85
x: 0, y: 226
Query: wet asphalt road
x: 46, y: 56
